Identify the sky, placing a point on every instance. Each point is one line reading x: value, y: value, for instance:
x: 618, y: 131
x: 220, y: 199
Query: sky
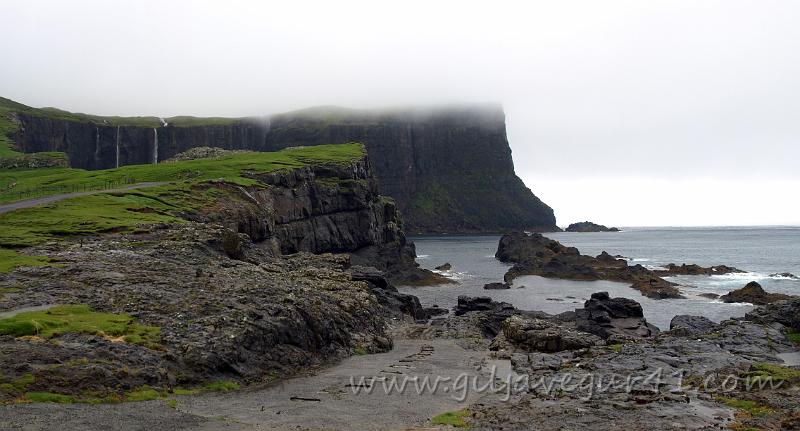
x: 627, y: 113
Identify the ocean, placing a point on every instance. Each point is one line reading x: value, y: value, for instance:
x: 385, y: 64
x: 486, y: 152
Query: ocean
x: 760, y: 251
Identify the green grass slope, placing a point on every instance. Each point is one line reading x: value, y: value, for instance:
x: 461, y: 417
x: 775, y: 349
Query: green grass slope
x: 124, y: 211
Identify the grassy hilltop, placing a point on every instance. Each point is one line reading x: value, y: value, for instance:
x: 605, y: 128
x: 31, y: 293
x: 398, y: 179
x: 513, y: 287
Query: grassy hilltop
x: 125, y: 210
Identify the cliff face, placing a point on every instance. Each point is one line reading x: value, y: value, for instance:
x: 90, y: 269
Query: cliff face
x: 320, y: 209
x: 450, y: 170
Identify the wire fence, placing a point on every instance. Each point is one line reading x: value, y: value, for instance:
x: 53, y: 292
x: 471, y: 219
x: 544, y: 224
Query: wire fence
x: 60, y: 189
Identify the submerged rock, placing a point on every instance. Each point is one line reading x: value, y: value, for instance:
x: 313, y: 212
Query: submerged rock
x: 496, y: 286
x: 445, y: 267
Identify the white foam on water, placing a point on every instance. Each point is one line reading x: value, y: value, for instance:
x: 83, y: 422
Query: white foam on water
x: 423, y: 256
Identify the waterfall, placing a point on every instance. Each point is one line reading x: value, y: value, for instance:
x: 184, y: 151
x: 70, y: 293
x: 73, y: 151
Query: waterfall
x: 96, y: 146
x: 155, y: 145
x: 117, y: 164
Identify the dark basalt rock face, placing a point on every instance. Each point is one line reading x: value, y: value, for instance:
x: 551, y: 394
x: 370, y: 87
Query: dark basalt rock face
x: 321, y: 209
x: 691, y: 326
x: 604, y: 316
x: 786, y: 313
x: 753, y: 293
x: 535, y: 254
x: 587, y: 226
x: 450, y: 170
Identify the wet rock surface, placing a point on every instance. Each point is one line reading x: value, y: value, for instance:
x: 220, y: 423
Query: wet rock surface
x: 692, y: 269
x: 534, y: 254
x: 753, y: 293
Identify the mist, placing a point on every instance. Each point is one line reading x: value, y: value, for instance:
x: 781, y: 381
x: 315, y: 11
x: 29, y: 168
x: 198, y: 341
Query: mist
x: 622, y: 112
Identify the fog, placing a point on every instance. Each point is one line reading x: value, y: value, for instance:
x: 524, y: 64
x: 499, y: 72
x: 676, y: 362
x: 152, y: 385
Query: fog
x: 622, y: 112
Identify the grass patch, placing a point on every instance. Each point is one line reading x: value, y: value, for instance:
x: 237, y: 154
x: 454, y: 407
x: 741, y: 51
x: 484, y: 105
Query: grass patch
x: 80, y: 319
x: 794, y: 337
x: 455, y: 419
x: 10, y: 259
x: 48, y: 397
x: 360, y: 351
x: 236, y: 168
x: 144, y: 393
x: 221, y: 386
x: 777, y: 373
x: 615, y: 347
x: 752, y: 408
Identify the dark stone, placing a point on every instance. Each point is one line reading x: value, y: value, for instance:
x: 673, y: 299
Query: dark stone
x: 753, y: 293
x: 538, y: 335
x: 587, y: 226
x: 495, y: 286
x: 691, y: 326
x: 535, y: 254
x: 604, y: 316
x: 692, y: 269
x: 786, y: 313
x: 445, y: 267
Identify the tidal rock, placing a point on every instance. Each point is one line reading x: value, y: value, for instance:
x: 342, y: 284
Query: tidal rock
x: 587, y: 226
x: 445, y: 267
x: 709, y: 295
x: 535, y: 254
x: 691, y: 326
x: 496, y: 286
x: 692, y: 269
x: 538, y: 335
x: 753, y: 293
x: 785, y: 275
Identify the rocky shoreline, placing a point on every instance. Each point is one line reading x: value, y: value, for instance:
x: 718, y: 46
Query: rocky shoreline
x: 290, y: 274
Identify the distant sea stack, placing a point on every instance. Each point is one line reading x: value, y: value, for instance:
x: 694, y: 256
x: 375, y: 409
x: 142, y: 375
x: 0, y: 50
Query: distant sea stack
x: 449, y: 169
x: 587, y: 226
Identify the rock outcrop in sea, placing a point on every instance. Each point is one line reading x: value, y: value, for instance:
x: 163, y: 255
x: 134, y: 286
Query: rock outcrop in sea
x: 753, y: 293
x: 587, y: 226
x: 534, y: 254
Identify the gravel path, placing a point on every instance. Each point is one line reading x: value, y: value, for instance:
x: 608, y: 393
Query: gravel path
x: 12, y: 206
x: 322, y: 401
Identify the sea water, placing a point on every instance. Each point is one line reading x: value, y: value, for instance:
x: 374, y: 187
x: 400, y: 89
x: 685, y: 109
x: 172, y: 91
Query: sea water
x: 760, y: 251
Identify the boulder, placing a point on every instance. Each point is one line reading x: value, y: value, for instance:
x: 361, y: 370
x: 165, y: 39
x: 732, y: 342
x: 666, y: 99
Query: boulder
x: 604, y: 316
x: 689, y: 326
x: 445, y: 267
x: 538, y: 335
x: 753, y: 293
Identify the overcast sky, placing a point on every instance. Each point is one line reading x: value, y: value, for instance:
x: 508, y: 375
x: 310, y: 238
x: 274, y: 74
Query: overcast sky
x: 627, y: 113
